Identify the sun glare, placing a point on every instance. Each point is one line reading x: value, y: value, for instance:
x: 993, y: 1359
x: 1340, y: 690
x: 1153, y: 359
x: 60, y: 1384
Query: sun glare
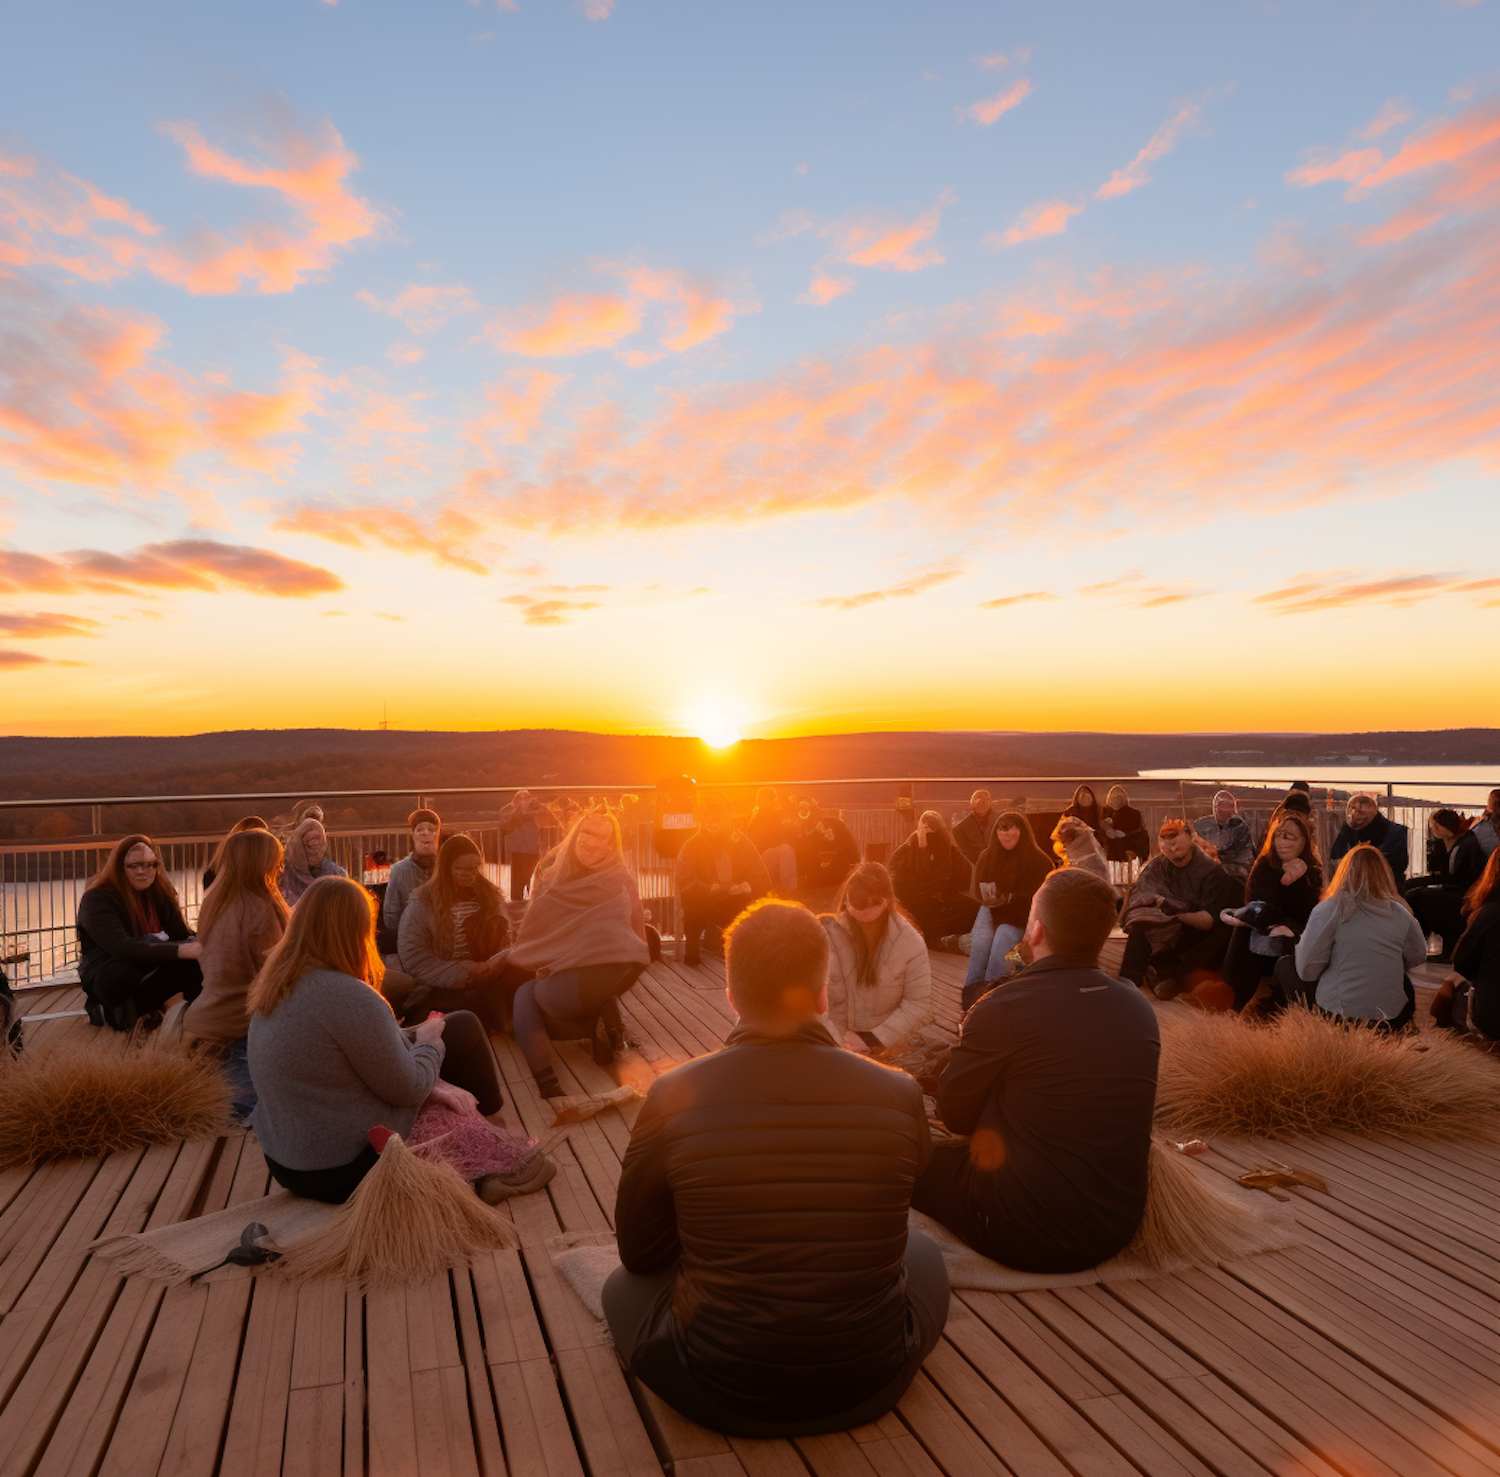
x: 716, y: 724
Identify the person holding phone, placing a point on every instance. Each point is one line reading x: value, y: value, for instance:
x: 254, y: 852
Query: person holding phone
x: 1011, y: 869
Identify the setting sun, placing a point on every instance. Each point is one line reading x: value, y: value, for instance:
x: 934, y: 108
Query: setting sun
x: 718, y: 724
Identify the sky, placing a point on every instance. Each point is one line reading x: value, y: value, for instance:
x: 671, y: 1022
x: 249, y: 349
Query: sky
x: 712, y: 368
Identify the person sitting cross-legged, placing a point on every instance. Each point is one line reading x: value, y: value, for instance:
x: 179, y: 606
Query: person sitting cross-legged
x: 769, y: 1286
x: 1174, y: 936
x: 719, y: 874
x: 1011, y: 869
x: 933, y: 880
x: 1054, y: 1082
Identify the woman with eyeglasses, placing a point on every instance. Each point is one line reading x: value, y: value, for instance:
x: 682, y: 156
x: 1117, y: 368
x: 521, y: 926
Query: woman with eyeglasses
x: 136, y: 950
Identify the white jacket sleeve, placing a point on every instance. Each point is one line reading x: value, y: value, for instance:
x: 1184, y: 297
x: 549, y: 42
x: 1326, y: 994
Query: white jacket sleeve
x: 910, y: 965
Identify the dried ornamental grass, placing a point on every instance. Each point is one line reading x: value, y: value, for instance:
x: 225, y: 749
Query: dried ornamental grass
x: 1196, y: 1217
x: 408, y: 1221
x: 1304, y: 1074
x: 102, y: 1095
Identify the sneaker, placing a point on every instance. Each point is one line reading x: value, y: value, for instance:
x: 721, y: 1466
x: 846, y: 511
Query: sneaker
x: 528, y: 1177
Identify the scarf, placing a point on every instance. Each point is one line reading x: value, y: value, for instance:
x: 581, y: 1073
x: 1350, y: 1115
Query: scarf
x: 587, y: 920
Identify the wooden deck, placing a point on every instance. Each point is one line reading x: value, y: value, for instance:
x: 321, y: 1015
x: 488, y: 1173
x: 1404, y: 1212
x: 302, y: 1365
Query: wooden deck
x: 1372, y: 1349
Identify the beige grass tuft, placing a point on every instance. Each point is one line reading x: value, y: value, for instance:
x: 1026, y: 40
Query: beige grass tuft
x: 408, y: 1221
x: 105, y: 1094
x: 1196, y: 1217
x: 1304, y: 1074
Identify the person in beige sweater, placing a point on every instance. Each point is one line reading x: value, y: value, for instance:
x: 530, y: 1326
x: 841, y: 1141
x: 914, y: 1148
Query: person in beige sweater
x: 879, y: 975
x: 242, y: 919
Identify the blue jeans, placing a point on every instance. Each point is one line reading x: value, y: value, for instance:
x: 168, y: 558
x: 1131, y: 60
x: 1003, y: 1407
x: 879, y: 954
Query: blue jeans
x: 564, y: 1007
x: 236, y: 1064
x: 988, y: 946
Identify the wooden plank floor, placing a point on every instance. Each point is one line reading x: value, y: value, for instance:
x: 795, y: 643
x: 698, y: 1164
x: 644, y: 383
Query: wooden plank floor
x: 1374, y: 1348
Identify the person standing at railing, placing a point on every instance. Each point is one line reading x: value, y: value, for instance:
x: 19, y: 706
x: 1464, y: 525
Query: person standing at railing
x: 1365, y: 826
x: 242, y: 919
x: 307, y: 859
x: 136, y: 950
x: 414, y: 870
x: 584, y: 941
x: 520, y: 824
x: 454, y: 934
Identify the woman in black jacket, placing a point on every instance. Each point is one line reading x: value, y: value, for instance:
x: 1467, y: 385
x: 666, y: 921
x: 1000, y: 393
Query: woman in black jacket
x: 1085, y: 807
x: 1476, y: 959
x: 933, y: 879
x: 1456, y: 860
x: 1287, y: 881
x: 1010, y: 870
x: 136, y: 950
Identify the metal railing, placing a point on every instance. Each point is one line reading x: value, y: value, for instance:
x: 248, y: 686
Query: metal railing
x: 41, y: 882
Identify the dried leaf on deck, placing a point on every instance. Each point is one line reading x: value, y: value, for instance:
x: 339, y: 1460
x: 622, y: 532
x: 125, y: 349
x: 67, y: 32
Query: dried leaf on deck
x: 1282, y: 1177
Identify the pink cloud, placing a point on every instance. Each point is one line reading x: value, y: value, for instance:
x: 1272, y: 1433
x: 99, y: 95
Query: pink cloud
x: 1027, y: 597
x: 905, y: 589
x: 872, y: 241
x: 824, y: 287
x: 1049, y: 218
x: 1308, y: 592
x: 598, y: 10
x: 205, y: 565
x: 571, y: 324
x: 989, y: 110
x: 519, y: 401
x: 53, y: 219
x: 1391, y: 115
x: 1300, y: 378
x: 1353, y: 165
x: 423, y: 307
x: 1162, y: 142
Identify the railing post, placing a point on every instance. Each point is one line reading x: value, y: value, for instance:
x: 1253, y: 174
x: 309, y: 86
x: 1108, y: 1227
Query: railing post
x: 97, y: 819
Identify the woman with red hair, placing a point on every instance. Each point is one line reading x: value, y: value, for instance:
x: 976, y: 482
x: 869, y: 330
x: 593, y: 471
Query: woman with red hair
x: 136, y: 950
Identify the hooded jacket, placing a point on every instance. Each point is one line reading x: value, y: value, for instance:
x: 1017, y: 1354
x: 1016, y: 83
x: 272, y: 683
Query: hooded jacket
x: 776, y: 1175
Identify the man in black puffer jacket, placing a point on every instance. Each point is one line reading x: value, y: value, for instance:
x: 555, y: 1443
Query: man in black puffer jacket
x: 769, y: 1287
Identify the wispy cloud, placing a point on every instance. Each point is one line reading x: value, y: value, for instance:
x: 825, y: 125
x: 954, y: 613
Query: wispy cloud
x: 905, y: 589
x: 1161, y: 143
x: 579, y: 323
x: 1392, y: 114
x: 38, y: 623
x: 180, y: 564
x: 555, y: 605
x: 1027, y: 597
x: 824, y: 287
x: 1313, y: 592
x: 990, y: 110
x: 423, y: 307
x: 13, y: 659
x: 1047, y: 218
x: 883, y: 243
x: 997, y: 60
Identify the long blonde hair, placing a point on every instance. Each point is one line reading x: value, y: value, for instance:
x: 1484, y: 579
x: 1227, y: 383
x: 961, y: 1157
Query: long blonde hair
x: 1363, y: 880
x: 249, y: 864
x: 332, y: 927
x: 867, y: 884
x: 561, y: 864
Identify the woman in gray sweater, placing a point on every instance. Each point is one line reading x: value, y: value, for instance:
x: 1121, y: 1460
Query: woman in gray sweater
x: 328, y: 1059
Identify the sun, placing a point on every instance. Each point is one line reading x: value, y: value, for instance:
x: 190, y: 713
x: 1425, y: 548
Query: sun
x: 717, y: 724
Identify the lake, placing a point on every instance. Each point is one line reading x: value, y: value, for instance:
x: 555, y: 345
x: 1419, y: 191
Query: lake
x: 1464, y: 786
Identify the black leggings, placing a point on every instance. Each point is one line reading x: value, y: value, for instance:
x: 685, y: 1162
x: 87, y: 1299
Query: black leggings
x: 1192, y: 952
x: 468, y: 1062
x: 125, y: 992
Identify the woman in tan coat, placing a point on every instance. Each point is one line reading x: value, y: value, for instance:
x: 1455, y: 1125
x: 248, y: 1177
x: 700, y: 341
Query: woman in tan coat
x: 242, y: 919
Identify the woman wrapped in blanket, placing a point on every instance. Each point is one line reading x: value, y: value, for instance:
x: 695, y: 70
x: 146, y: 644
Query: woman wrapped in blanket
x: 583, y: 942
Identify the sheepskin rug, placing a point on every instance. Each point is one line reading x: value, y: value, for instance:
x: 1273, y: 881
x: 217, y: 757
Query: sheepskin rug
x: 1302, y: 1073
x: 104, y: 1093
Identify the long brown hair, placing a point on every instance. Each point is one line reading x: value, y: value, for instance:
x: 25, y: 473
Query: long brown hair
x: 439, y: 893
x: 247, y: 823
x: 561, y: 864
x: 249, y: 864
x: 1487, y: 887
x: 1303, y: 826
x: 332, y: 927
x: 869, y: 883
x: 111, y: 877
x: 1363, y: 880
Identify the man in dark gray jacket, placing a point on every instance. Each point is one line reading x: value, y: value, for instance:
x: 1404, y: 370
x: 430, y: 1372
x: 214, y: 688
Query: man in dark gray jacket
x: 769, y: 1287
x: 1054, y: 1082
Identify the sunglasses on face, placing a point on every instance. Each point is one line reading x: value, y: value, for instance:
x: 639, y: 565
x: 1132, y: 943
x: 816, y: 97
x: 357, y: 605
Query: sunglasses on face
x: 140, y: 866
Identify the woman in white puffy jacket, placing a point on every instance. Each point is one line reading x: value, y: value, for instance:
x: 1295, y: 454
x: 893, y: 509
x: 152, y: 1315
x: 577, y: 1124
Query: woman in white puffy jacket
x: 879, y: 975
